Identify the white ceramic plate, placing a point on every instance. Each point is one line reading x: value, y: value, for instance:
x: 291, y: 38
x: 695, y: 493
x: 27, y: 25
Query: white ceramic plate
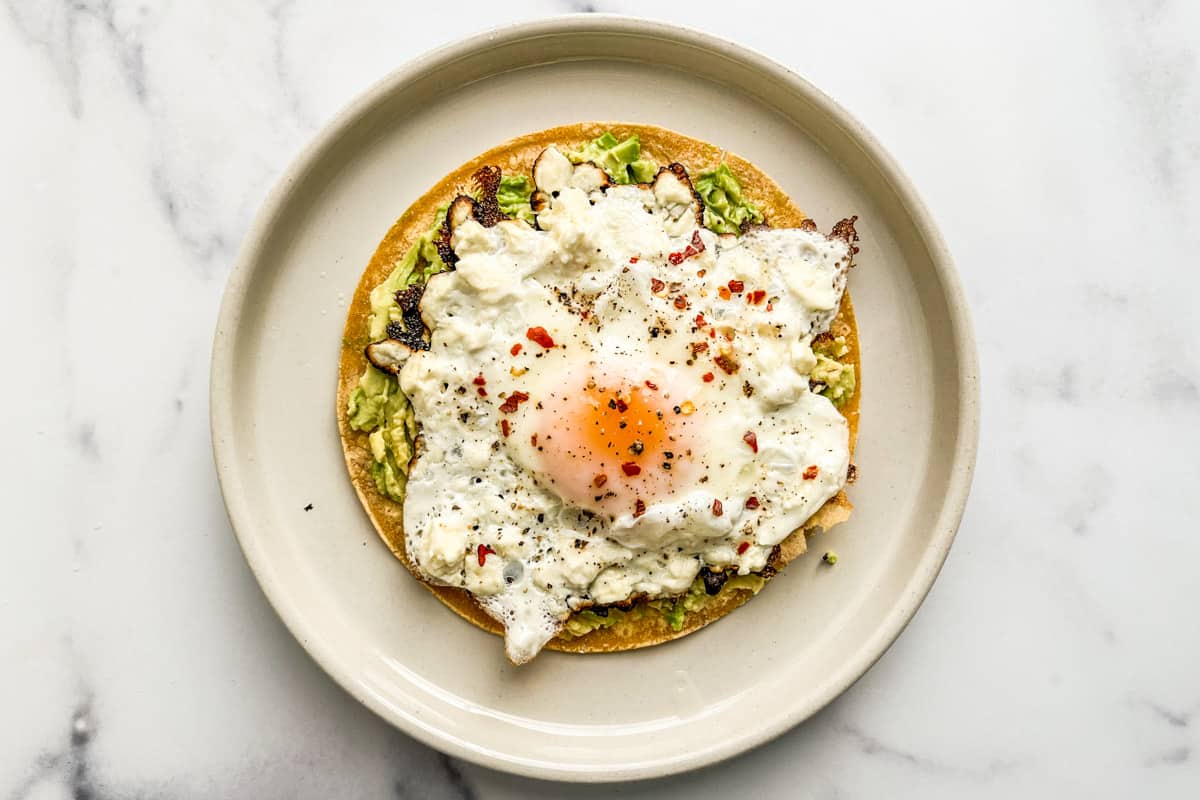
x: 751, y: 676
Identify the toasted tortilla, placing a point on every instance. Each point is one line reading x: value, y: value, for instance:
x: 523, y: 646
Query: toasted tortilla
x: 516, y: 157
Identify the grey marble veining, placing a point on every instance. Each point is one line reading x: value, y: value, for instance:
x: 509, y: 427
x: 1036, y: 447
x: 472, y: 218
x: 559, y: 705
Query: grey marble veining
x: 1057, y: 144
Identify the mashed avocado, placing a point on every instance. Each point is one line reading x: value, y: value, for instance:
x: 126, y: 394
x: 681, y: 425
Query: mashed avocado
x: 377, y: 406
x: 421, y: 261
x: 725, y: 210
x: 674, y: 609
x: 621, y: 159
x: 836, y: 377
x: 513, y: 196
x: 588, y: 620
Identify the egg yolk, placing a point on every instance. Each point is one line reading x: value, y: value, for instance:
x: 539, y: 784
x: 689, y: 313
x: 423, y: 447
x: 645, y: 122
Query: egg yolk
x: 614, y: 444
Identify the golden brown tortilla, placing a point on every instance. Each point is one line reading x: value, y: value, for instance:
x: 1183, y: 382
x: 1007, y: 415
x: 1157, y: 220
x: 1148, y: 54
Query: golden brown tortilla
x: 516, y: 156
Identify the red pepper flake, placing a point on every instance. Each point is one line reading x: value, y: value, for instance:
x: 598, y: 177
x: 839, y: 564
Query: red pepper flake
x: 540, y: 336
x: 483, y: 552
x: 631, y: 469
x: 700, y: 273
x: 743, y: 547
x: 708, y: 377
x: 656, y: 285
x: 752, y: 440
x: 599, y: 480
x: 701, y: 321
x: 533, y: 440
x: 482, y: 391
x: 712, y: 333
x: 512, y: 401
x: 751, y: 502
x: 480, y: 380
x: 770, y: 307
x: 718, y: 509
x: 652, y: 386
x: 694, y: 249
x: 723, y: 292
x: 681, y: 302
x: 633, y: 259
x: 737, y: 287
x: 505, y: 428
x: 639, y: 507
x: 726, y: 362
x: 756, y: 297
x: 584, y: 314
x: 516, y: 349
x: 699, y: 347
x: 811, y: 472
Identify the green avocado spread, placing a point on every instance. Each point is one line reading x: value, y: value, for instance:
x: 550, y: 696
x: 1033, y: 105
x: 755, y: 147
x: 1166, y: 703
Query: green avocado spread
x: 378, y: 408
x: 725, y: 209
x: 835, y: 378
x: 513, y: 197
x: 673, y: 609
x: 584, y: 622
x: 620, y: 158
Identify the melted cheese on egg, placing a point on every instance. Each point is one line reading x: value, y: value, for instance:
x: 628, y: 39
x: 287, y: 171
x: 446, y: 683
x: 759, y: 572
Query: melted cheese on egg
x: 602, y: 397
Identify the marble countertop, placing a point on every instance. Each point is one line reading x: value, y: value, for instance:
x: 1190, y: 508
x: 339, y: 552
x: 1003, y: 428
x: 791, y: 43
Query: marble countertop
x: 1057, y: 656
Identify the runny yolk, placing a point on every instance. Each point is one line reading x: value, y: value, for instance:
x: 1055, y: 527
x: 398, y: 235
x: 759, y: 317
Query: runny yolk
x: 621, y: 425
x: 613, y: 443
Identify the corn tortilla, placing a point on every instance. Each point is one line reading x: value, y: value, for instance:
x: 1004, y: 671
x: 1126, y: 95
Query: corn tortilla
x: 516, y: 157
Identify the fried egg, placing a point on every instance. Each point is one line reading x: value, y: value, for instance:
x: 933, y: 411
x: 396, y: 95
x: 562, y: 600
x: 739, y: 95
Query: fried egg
x: 616, y: 398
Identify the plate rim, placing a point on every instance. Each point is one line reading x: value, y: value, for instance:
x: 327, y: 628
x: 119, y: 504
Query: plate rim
x: 966, y: 437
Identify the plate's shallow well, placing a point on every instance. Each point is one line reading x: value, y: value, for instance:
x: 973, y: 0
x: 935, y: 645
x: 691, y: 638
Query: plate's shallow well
x: 809, y: 635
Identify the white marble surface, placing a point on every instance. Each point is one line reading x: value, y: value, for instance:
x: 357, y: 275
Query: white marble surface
x: 1058, y: 655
